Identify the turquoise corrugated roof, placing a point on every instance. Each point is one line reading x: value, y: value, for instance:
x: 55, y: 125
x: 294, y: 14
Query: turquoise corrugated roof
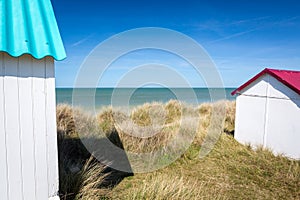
x: 29, y: 26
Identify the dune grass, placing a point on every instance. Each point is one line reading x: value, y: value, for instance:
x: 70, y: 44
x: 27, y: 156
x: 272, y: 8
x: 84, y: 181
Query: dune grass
x: 229, y: 171
x: 84, y: 182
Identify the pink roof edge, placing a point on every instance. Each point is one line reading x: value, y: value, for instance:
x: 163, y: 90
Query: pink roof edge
x: 287, y: 77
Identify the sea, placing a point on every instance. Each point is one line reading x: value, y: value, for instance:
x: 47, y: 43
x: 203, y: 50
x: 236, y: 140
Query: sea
x: 96, y: 98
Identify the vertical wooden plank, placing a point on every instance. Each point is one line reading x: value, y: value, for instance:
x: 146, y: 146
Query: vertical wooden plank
x: 26, y: 126
x: 3, y: 158
x: 12, y: 128
x: 51, y: 129
x: 39, y: 125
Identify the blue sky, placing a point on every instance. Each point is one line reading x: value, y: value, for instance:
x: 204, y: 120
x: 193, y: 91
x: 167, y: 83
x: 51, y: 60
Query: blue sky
x: 242, y: 37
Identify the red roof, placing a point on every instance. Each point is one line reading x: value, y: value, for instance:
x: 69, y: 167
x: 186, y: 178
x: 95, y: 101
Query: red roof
x: 287, y: 77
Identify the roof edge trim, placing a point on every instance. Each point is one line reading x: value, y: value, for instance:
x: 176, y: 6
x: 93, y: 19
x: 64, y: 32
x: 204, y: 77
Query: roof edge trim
x: 270, y: 72
x: 38, y: 57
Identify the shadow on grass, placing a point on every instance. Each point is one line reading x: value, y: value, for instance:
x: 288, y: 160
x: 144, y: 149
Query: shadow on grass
x: 73, y: 158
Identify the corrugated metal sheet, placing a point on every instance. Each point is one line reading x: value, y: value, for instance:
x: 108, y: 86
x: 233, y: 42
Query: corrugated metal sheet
x: 29, y: 26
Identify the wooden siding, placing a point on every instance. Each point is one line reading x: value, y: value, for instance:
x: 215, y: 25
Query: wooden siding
x: 267, y: 114
x: 28, y: 142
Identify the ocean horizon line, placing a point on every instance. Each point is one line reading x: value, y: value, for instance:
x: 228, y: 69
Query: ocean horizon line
x: 145, y: 87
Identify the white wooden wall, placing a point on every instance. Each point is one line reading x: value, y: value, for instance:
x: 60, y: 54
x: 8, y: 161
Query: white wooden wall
x: 28, y: 142
x: 268, y: 114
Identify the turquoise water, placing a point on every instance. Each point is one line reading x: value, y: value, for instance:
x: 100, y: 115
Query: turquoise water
x: 87, y: 97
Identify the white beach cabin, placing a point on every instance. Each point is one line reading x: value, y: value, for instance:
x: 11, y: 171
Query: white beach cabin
x: 268, y: 112
x: 29, y: 43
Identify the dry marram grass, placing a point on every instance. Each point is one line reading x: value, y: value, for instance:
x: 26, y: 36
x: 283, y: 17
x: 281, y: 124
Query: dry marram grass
x: 233, y: 170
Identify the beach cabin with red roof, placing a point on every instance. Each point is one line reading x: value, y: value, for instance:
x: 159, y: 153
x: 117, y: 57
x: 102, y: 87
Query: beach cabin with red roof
x: 268, y: 111
x: 29, y: 43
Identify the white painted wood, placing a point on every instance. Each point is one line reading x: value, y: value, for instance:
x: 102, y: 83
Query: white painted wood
x: 283, y: 131
x: 51, y: 129
x: 28, y: 142
x: 39, y: 123
x: 3, y: 151
x: 279, y: 90
x: 270, y: 119
x: 250, y: 120
x: 13, y: 144
x: 261, y: 85
x: 26, y: 126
